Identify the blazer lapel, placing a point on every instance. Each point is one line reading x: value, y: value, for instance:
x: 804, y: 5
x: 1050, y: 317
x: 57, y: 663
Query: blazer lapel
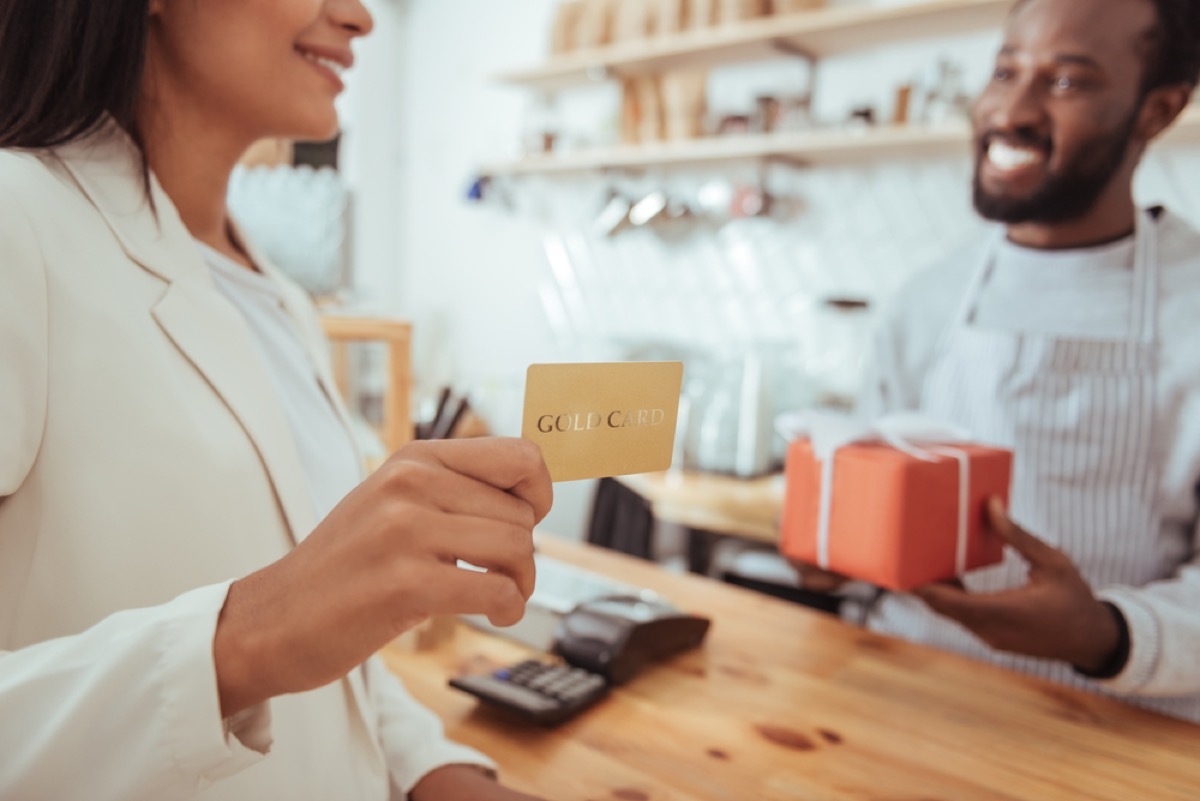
x: 214, y: 338
x: 208, y: 331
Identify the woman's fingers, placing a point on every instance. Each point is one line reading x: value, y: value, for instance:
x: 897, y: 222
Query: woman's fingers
x: 457, y: 591
x: 513, y: 465
x: 491, y: 544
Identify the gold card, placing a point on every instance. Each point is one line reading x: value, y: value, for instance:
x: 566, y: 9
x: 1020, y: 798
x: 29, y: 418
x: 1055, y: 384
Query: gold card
x: 603, y: 419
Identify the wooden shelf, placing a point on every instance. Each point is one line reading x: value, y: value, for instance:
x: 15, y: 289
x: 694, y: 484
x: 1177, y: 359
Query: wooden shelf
x: 808, y: 148
x: 805, y: 147
x: 816, y: 34
x: 342, y: 330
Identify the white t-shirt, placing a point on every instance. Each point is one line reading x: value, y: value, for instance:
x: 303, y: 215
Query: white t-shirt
x: 330, y: 461
x: 1039, y: 291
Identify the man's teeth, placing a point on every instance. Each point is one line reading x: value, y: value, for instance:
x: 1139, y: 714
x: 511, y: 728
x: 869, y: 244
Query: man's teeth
x: 333, y: 66
x: 1007, y: 157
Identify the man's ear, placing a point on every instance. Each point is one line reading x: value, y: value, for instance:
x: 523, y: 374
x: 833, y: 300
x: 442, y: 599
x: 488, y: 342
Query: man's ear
x: 1160, y: 108
x: 156, y: 7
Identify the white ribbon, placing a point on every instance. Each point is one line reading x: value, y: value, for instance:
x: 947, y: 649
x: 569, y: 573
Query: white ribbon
x: 830, y: 432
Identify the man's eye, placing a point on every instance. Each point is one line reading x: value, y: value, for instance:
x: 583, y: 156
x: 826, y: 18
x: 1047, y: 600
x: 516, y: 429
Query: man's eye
x: 1065, y: 84
x: 1001, y: 74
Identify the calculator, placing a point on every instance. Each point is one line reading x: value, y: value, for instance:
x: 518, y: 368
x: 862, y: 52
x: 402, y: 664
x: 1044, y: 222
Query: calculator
x: 540, y: 692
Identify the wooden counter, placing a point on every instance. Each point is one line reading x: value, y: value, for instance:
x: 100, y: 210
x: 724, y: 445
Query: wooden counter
x: 784, y: 703
x: 742, y: 507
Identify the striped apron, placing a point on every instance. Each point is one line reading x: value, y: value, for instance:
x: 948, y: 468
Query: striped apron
x: 1080, y: 418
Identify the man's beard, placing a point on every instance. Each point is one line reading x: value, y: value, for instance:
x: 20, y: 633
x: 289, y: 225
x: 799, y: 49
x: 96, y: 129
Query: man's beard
x: 1065, y: 195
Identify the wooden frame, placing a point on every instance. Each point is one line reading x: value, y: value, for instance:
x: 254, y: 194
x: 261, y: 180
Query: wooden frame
x: 397, y: 399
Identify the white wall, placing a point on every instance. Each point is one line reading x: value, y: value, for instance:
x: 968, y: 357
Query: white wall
x: 374, y: 132
x: 475, y: 278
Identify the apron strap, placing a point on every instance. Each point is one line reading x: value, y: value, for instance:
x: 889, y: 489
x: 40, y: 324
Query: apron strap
x: 1146, y: 272
x: 983, y: 271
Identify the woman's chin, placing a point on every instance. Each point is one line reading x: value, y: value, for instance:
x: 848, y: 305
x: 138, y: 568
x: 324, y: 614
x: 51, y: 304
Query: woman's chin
x: 316, y: 128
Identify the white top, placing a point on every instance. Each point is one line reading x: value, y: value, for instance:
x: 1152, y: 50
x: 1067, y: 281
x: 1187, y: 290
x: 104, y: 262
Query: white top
x: 1086, y: 294
x: 1037, y: 291
x: 332, y: 467
x: 327, y: 454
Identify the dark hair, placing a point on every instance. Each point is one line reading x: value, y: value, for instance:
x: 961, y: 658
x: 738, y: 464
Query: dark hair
x: 1172, y: 46
x: 65, y: 64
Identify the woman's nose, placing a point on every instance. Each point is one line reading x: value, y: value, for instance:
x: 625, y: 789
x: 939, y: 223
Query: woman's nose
x: 351, y: 15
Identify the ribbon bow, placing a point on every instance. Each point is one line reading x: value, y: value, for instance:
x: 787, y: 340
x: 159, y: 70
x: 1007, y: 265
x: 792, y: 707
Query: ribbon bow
x: 828, y: 432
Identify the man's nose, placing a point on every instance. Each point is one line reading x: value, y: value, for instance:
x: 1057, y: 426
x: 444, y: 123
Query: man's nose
x: 1018, y: 107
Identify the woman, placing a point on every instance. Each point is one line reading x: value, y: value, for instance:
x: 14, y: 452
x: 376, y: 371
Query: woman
x: 169, y: 426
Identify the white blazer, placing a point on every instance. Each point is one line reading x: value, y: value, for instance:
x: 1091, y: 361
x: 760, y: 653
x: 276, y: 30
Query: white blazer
x: 145, y: 463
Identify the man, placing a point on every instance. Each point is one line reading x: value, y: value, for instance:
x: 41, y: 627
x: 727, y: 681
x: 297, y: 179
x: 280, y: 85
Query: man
x: 1071, y: 338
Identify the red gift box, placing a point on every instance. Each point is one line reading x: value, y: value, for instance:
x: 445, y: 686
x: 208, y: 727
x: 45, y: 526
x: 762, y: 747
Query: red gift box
x: 894, y: 517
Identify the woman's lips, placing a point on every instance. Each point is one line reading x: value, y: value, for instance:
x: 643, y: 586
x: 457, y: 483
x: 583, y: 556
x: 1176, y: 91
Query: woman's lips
x: 330, y: 65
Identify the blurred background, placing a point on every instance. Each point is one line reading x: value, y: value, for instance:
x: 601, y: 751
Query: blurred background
x: 739, y: 184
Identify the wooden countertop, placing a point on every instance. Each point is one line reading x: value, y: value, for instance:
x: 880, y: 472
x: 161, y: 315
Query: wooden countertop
x: 784, y: 703
x: 742, y: 507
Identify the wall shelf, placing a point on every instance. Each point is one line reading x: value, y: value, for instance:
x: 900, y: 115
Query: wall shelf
x: 816, y: 34
x: 808, y: 148
x: 817, y: 147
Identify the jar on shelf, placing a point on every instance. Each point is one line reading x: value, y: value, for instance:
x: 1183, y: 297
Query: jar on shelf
x: 540, y: 127
x: 564, y: 30
x: 668, y: 17
x: 794, y: 6
x: 684, y: 104
x: 594, y: 27
x: 701, y: 14
x: 731, y: 12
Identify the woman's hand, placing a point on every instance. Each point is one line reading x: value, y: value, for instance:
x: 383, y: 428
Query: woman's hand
x: 464, y: 783
x: 384, y: 560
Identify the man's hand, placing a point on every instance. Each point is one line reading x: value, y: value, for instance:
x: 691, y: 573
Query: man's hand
x: 463, y: 783
x: 1055, y: 615
x: 384, y: 560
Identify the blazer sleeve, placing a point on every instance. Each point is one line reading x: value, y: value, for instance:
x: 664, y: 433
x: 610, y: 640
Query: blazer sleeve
x: 23, y: 346
x: 410, y: 735
x: 127, y: 709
